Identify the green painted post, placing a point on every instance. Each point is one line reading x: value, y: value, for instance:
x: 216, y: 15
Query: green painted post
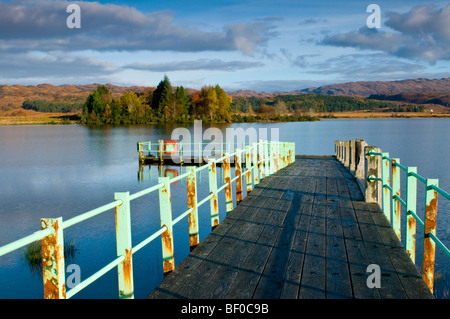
x: 411, y: 206
x: 165, y: 211
x: 123, y: 244
x: 213, y: 190
x: 53, y: 269
x: 191, y: 181
x: 387, y: 196
x: 277, y: 156
x: 429, y: 246
x: 271, y: 158
x: 396, y: 205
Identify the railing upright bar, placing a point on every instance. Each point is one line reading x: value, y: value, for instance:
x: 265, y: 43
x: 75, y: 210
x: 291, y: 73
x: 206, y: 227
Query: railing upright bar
x: 238, y: 174
x: 248, y: 166
x: 254, y: 156
x: 429, y: 246
x: 124, y: 246
x: 191, y: 181
x: 227, y: 181
x: 396, y: 204
x: 53, y: 269
x: 411, y: 207
x: 213, y: 191
x: 387, y: 195
x: 165, y: 209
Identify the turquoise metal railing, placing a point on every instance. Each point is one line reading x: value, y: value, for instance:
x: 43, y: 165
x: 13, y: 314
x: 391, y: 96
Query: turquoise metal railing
x: 261, y: 159
x: 377, y: 167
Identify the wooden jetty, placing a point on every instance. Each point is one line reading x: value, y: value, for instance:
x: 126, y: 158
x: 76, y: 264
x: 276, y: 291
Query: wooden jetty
x: 308, y: 227
x: 303, y: 232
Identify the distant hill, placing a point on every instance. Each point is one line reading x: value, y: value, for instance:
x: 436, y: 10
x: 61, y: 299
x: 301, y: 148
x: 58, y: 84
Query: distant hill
x: 365, y: 89
x: 415, y: 98
x: 13, y: 96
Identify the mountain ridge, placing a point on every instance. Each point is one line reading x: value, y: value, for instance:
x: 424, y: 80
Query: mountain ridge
x: 419, y: 90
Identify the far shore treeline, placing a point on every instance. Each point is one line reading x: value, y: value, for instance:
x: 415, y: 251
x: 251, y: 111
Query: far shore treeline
x: 167, y: 104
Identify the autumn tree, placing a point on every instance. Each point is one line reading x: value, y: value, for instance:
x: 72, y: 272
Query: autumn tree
x: 224, y: 104
x: 96, y: 102
x: 132, y: 104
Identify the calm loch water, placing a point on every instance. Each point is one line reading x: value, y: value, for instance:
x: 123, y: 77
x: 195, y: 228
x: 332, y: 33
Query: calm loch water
x: 53, y: 171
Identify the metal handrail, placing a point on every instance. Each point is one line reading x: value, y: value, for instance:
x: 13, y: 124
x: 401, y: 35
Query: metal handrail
x: 280, y: 156
x: 431, y: 196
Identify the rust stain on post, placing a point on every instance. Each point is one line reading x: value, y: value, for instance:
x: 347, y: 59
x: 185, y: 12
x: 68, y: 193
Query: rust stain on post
x: 53, y: 261
x: 429, y: 244
x: 166, y: 238
x: 128, y: 269
x: 192, y: 203
x: 227, y: 179
x: 238, y: 172
x: 412, y: 232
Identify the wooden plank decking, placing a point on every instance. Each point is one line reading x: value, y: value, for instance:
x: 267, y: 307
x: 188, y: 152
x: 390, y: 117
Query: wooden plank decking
x: 304, y: 232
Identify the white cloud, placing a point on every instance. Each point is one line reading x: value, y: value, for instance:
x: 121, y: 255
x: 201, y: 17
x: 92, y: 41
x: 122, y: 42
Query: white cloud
x: 193, y: 65
x: 42, y: 25
x: 423, y: 33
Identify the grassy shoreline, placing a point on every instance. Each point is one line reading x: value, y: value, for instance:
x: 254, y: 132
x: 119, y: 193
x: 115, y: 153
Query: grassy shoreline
x: 38, y: 118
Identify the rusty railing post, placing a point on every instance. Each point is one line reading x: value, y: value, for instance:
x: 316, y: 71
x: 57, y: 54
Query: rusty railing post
x: 396, y: 205
x: 411, y: 206
x: 213, y: 190
x: 373, y: 168
x: 248, y: 165
x: 429, y: 246
x: 53, y: 269
x: 192, y: 203
x: 123, y: 241
x: 261, y: 158
x: 165, y: 210
x: 140, y: 148
x: 238, y: 174
x: 227, y: 181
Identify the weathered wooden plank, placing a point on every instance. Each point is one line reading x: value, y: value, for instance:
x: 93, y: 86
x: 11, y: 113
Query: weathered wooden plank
x: 291, y: 283
x: 209, y: 265
x: 357, y: 254
x: 247, y: 281
x: 411, y: 280
x: 312, y: 283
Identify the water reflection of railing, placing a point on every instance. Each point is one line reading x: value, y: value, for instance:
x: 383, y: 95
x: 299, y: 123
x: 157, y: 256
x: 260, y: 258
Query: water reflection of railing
x: 374, y: 168
x: 261, y: 159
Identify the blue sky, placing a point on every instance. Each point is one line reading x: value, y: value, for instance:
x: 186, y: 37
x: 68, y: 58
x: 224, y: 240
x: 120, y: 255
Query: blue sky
x: 249, y: 45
